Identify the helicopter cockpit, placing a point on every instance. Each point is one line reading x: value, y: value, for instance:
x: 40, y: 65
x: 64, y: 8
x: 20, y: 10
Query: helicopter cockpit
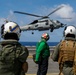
x: 36, y: 21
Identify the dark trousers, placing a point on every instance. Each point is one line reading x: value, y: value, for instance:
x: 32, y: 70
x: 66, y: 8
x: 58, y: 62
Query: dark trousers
x: 43, y: 66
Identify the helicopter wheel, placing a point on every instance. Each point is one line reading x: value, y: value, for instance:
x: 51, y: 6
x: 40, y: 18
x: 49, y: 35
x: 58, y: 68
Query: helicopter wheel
x: 52, y: 28
x: 32, y: 32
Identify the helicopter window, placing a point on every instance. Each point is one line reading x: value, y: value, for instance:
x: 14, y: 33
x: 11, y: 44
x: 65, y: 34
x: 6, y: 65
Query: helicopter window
x: 36, y: 25
x: 46, y: 22
x: 58, y: 22
x: 34, y: 22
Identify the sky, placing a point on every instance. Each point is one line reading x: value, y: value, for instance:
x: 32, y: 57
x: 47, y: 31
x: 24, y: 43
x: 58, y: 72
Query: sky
x: 39, y: 7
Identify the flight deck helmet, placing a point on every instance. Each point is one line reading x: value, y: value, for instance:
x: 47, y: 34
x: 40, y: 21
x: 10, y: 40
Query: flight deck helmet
x: 70, y: 31
x: 10, y: 30
x: 45, y: 36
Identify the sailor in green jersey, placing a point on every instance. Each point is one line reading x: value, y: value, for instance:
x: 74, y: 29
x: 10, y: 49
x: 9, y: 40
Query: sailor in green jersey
x: 42, y: 54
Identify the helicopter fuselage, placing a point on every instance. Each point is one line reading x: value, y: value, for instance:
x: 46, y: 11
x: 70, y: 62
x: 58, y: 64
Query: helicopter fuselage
x: 43, y: 24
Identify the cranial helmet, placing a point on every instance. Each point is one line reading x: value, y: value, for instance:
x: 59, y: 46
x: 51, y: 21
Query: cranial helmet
x: 69, y: 30
x: 45, y: 36
x: 10, y: 27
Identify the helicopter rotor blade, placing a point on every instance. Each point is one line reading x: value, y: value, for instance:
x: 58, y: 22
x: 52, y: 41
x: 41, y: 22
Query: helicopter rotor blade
x: 65, y: 18
x: 27, y: 14
x: 55, y: 10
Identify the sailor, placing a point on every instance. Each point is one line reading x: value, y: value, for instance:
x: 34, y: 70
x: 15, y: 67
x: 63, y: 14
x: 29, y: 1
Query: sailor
x: 42, y: 54
x: 13, y: 56
x: 65, y: 52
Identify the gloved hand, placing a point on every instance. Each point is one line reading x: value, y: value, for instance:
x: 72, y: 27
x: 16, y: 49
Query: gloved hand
x: 37, y: 62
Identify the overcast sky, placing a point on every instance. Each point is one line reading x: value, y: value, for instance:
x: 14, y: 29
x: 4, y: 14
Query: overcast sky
x: 39, y: 7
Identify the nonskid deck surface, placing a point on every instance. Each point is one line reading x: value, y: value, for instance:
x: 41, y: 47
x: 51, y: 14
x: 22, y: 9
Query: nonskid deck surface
x: 53, y: 68
x: 47, y: 74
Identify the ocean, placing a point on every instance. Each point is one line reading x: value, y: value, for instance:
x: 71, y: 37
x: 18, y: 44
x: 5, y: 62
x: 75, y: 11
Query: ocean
x: 34, y: 43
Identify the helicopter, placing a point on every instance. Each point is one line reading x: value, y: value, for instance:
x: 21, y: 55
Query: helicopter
x: 43, y: 23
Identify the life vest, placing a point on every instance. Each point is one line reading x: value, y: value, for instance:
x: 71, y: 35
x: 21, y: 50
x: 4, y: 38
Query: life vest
x: 67, y: 51
x: 10, y: 55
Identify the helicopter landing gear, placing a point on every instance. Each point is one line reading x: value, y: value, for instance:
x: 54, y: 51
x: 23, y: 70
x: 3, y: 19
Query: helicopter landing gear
x: 52, y: 28
x: 32, y: 32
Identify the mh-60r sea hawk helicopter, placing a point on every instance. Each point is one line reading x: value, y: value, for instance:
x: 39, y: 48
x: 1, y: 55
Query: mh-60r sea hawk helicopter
x: 44, y: 23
